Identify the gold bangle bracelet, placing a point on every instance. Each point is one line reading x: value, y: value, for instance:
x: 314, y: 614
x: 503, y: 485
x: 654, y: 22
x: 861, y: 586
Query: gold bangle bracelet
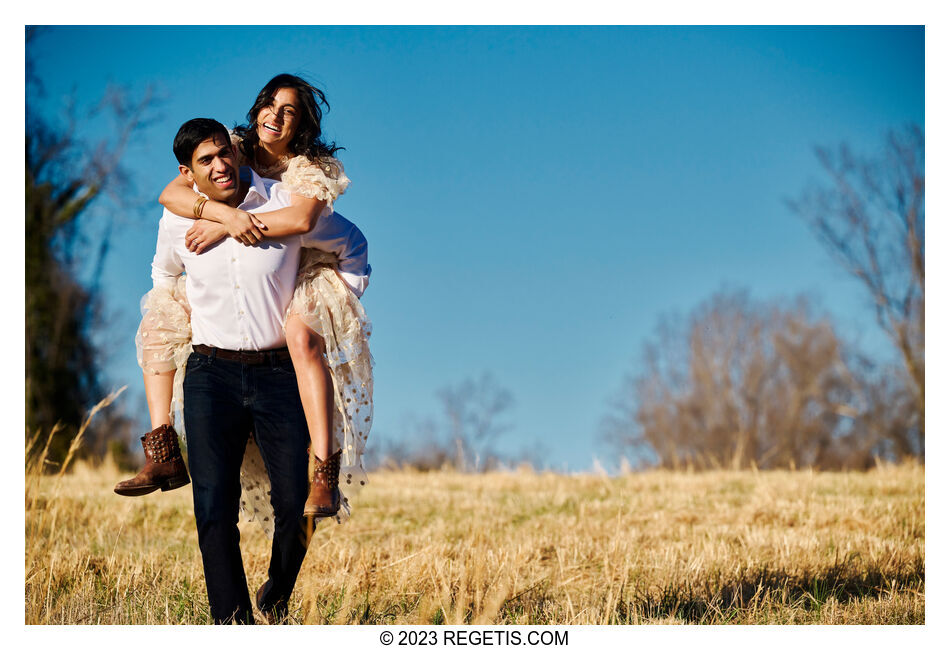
x: 199, y: 206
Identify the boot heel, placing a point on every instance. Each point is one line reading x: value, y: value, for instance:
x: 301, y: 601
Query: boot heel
x: 174, y: 484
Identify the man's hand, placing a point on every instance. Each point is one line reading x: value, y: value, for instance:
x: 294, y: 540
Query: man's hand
x: 244, y: 227
x: 203, y: 235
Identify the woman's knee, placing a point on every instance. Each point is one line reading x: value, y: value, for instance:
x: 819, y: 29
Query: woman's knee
x: 302, y: 341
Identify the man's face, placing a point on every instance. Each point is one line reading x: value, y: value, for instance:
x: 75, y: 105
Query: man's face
x: 213, y: 169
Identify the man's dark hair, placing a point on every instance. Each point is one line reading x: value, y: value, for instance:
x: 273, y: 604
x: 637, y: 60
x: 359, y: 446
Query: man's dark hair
x: 194, y: 132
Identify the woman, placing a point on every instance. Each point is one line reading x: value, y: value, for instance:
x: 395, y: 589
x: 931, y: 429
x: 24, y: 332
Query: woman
x: 326, y: 328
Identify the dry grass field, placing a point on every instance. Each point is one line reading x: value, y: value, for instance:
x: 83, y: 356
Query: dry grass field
x: 657, y: 547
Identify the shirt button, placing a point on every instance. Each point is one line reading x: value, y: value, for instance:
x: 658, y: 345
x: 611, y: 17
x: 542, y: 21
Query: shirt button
x: 237, y: 286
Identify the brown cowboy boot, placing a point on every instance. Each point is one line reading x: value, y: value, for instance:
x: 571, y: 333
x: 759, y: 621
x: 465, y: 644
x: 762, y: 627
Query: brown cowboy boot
x: 164, y: 466
x: 324, y: 499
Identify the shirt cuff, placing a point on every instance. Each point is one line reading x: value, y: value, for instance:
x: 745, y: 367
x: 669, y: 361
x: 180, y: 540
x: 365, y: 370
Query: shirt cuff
x: 168, y: 281
x: 357, y: 283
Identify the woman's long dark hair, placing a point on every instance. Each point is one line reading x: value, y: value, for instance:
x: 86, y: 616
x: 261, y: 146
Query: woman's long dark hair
x: 307, y: 139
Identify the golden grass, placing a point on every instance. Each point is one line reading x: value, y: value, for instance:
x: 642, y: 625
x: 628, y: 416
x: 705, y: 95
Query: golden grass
x: 657, y: 547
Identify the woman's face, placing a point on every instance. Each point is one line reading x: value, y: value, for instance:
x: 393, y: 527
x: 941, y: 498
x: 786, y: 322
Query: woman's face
x: 277, y: 122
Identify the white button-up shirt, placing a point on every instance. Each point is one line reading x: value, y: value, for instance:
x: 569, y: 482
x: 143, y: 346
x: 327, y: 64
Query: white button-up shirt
x: 239, y: 294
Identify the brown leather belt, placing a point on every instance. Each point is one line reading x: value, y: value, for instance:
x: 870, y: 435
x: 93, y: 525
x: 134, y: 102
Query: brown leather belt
x: 250, y: 357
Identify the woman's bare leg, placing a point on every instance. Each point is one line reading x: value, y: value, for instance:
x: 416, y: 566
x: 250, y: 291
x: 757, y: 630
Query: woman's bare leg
x: 158, y: 394
x: 314, y: 382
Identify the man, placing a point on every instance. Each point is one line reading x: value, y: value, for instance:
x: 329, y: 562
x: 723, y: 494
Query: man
x: 240, y: 377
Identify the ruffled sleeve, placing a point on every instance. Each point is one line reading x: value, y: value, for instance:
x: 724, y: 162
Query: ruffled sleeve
x: 315, y: 179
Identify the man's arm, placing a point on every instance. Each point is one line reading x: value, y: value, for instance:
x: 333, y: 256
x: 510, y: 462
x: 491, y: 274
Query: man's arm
x: 166, y: 264
x: 335, y: 234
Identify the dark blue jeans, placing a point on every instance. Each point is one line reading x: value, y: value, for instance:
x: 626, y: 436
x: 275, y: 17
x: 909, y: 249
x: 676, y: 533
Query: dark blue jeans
x: 224, y: 402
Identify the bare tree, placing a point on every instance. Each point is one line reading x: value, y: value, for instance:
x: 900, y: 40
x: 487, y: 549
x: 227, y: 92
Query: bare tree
x: 473, y: 410
x: 66, y: 177
x: 416, y: 445
x: 739, y: 383
x: 473, y: 416
x: 870, y: 216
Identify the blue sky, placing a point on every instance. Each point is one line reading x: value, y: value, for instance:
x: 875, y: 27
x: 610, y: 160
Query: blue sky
x: 534, y: 198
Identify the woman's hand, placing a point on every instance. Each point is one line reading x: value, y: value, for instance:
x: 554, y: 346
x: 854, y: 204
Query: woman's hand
x: 203, y: 235
x: 179, y: 197
x: 243, y: 226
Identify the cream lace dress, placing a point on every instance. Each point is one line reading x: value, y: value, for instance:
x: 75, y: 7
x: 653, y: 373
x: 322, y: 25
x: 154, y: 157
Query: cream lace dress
x: 325, y: 304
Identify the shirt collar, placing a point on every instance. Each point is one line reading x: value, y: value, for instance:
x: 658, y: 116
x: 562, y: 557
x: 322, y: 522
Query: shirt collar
x: 256, y: 185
